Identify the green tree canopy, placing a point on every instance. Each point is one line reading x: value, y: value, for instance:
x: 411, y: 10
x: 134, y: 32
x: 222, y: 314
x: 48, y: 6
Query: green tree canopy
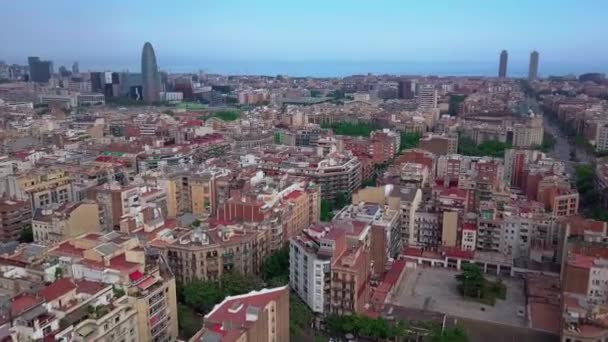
x: 409, y: 140
x: 202, y: 295
x: 360, y: 129
x: 276, y: 265
x: 455, y: 334
x: 491, y: 148
x: 27, y: 234
x: 326, y: 214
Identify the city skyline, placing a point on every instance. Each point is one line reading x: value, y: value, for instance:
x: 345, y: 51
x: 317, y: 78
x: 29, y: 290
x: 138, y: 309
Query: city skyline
x: 210, y: 37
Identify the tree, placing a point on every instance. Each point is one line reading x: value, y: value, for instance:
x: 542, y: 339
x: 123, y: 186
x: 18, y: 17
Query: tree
x: 227, y: 115
x: 315, y: 93
x: 235, y: 283
x: 471, y: 281
x: 58, y: 273
x: 492, y: 148
x: 590, y: 197
x: 276, y: 265
x: 455, y: 334
x: 548, y: 142
x: 342, y: 199
x: 188, y: 322
x: 300, y: 315
x: 360, y: 129
x: 364, y: 326
x: 117, y: 291
x: 409, y: 140
x: 369, y: 182
x: 326, y: 214
x: 27, y: 234
x: 202, y: 295
x: 196, y: 223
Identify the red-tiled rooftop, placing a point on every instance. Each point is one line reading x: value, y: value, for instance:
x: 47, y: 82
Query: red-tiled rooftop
x: 57, y: 289
x: 293, y: 195
x: 454, y: 193
x: 580, y: 225
x: 590, y: 250
x: 89, y: 287
x: 93, y: 236
x: 412, y: 251
x: 454, y: 252
x: 469, y: 226
x: 67, y: 249
x: 224, y: 312
x: 579, y: 260
x: 23, y: 302
x: 120, y: 263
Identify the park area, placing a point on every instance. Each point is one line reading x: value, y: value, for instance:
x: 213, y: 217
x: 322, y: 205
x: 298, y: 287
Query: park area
x: 438, y: 289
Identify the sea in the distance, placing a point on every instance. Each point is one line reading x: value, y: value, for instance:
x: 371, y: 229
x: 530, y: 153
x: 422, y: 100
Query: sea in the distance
x: 346, y: 68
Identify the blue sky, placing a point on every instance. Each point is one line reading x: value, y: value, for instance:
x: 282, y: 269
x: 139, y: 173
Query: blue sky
x: 188, y: 32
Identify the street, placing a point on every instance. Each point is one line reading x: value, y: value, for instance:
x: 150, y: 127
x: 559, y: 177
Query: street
x: 561, y: 150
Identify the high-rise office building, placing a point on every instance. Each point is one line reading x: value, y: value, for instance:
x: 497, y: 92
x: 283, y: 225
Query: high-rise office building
x: 97, y: 81
x: 63, y: 71
x: 40, y: 71
x: 405, y: 90
x: 150, y: 75
x: 502, y: 67
x: 533, y: 68
x: 427, y: 96
x: 75, y: 68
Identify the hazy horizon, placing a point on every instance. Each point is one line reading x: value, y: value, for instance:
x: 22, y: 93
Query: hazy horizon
x: 235, y: 36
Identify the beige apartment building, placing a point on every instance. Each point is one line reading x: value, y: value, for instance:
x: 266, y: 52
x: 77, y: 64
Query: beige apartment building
x: 72, y: 219
x: 119, y: 260
x: 95, y: 314
x: 42, y: 187
x: 195, y: 193
x: 14, y: 216
x: 206, y: 255
x: 528, y: 133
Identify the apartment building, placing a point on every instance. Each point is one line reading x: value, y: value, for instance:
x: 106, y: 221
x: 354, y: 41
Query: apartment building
x: 310, y: 256
x: 41, y: 187
x: 117, y: 202
x: 489, y: 228
x: 330, y: 266
x: 30, y: 318
x: 335, y: 173
x: 350, y: 275
x: 601, y: 142
x: 208, y: 254
x: 53, y: 225
x: 92, y: 311
x: 286, y: 205
x: 406, y: 201
x: 427, y: 228
x: 192, y: 192
x: 15, y: 215
x: 255, y: 316
x: 584, y: 280
x: 381, y: 146
x: 558, y: 196
x: 384, y: 228
x: 528, y: 133
x: 120, y: 260
x: 156, y: 304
